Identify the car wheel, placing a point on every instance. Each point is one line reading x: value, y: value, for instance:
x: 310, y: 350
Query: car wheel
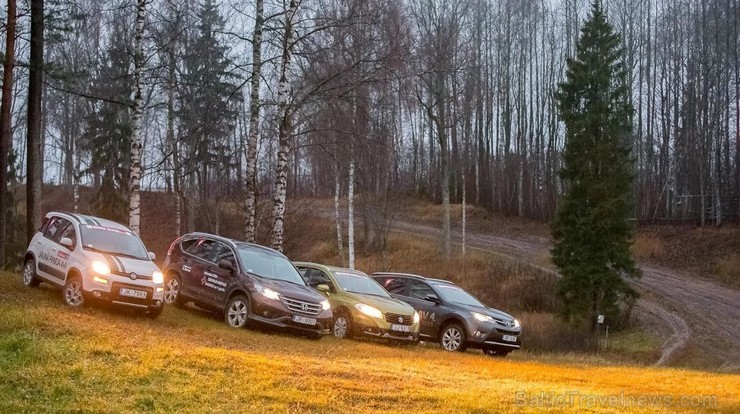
x: 237, y: 312
x: 29, y: 274
x: 494, y: 353
x: 72, y: 292
x: 342, y: 326
x: 453, y: 338
x: 172, y: 291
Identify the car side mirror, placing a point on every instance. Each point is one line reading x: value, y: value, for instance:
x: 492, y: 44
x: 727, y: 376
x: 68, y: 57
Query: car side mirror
x: 432, y: 298
x: 152, y: 256
x: 67, y: 242
x: 225, y: 264
x: 323, y: 288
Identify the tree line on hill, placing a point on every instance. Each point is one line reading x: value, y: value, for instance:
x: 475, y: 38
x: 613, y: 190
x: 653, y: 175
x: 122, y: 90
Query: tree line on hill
x: 255, y: 102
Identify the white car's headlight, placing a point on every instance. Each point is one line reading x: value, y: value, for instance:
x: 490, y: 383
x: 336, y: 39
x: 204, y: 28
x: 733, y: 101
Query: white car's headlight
x: 369, y: 310
x: 325, y: 305
x: 100, y: 268
x: 266, y: 292
x: 416, y: 317
x: 516, y: 323
x: 481, y: 317
x: 157, y: 277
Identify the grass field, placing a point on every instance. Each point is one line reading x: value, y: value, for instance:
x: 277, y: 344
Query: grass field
x: 54, y: 359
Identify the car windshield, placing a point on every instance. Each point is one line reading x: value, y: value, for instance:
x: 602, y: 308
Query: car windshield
x: 451, y: 293
x: 113, y: 241
x: 270, y: 266
x: 356, y: 283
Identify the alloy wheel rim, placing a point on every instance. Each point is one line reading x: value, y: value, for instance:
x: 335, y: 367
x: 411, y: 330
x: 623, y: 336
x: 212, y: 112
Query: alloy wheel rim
x: 28, y: 273
x: 171, y: 291
x: 451, y: 339
x: 340, y: 327
x: 73, y: 293
x: 237, y: 314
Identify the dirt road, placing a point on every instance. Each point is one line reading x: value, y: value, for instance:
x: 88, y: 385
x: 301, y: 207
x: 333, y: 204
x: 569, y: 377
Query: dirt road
x: 688, y: 311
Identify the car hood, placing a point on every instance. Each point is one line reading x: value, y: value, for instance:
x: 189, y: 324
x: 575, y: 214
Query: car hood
x: 123, y: 265
x: 494, y: 313
x: 385, y: 305
x: 292, y: 290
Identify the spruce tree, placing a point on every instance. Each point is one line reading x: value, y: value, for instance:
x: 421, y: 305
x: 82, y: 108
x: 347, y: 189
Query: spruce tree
x: 593, y: 230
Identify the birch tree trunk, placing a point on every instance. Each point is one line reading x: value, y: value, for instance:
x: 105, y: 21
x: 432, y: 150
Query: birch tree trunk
x: 351, y: 214
x: 172, y: 141
x: 34, y: 143
x: 6, y: 138
x: 337, y: 217
x: 284, y: 134
x: 254, y: 119
x: 134, y: 220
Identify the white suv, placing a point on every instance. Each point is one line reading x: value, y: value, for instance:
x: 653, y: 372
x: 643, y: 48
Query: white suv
x: 94, y: 258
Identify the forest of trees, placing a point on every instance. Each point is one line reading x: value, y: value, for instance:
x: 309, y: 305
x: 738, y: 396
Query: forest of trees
x: 258, y: 101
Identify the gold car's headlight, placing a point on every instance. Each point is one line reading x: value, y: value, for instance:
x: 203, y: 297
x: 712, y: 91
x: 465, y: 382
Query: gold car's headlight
x: 157, y: 277
x: 369, y: 311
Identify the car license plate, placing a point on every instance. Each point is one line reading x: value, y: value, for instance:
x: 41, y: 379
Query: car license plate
x: 509, y: 338
x: 131, y: 293
x: 303, y: 320
x: 401, y: 328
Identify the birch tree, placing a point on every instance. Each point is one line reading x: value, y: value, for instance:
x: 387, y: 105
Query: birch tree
x: 254, y: 122
x: 285, y: 130
x: 138, y: 111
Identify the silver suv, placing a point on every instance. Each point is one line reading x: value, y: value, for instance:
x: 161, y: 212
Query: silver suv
x: 94, y: 258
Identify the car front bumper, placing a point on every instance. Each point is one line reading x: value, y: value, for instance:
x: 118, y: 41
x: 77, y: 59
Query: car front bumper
x: 111, y: 293
x: 493, y: 336
x: 275, y: 314
x: 380, y: 328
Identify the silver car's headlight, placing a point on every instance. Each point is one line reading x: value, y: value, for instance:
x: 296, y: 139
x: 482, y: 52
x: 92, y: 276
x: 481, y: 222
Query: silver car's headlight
x: 481, y: 317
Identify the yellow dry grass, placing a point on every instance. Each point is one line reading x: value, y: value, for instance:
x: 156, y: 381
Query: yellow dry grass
x: 53, y: 359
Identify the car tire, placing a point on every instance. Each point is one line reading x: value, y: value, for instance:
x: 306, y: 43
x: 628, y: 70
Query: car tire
x: 236, y: 314
x: 72, y: 294
x: 496, y: 353
x: 341, y: 327
x: 172, y: 288
x: 452, y: 338
x: 29, y: 274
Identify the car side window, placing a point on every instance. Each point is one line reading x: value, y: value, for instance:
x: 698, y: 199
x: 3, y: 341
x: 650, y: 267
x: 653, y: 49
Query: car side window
x: 396, y: 286
x: 316, y: 277
x: 55, y: 223
x: 69, y: 232
x: 203, y: 249
x: 420, y: 290
x: 224, y: 252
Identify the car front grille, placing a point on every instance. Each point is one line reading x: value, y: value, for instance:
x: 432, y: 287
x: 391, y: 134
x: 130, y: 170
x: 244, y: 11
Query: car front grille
x: 302, y: 307
x: 128, y: 275
x: 399, y: 319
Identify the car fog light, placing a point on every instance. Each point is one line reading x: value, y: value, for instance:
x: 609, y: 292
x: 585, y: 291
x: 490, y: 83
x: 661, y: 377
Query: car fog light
x: 96, y: 294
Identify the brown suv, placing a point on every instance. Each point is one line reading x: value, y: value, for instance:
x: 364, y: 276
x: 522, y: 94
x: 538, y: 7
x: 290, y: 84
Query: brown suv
x: 246, y: 281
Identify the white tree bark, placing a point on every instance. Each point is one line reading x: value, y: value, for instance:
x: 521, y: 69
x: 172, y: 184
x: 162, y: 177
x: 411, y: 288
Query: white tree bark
x: 134, y: 220
x: 254, y: 120
x: 351, y: 214
x: 284, y: 134
x: 337, y: 215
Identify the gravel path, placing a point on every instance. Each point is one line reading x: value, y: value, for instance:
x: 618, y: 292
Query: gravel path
x: 692, y: 311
